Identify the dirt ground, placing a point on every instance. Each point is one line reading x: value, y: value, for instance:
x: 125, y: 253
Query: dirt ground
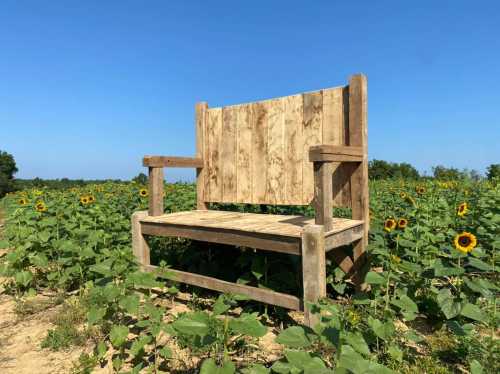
x: 21, y: 336
x: 20, y: 340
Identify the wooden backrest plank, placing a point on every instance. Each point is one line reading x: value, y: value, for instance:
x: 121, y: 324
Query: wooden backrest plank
x: 275, y: 182
x: 244, y: 154
x: 258, y: 153
x: 214, y: 124
x: 293, y: 152
x: 228, y: 153
x: 201, y: 152
x: 312, y: 134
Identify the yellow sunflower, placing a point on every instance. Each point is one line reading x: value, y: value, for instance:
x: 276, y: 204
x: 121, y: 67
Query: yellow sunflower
x: 462, y: 209
x: 84, y: 200
x: 40, y: 206
x: 403, y: 195
x: 143, y: 192
x: 402, y: 223
x: 91, y: 199
x: 390, y: 224
x: 396, y: 259
x: 420, y: 190
x: 22, y: 201
x: 465, y: 242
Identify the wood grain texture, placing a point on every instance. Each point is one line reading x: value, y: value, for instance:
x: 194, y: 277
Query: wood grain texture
x: 259, y: 152
x: 244, y: 165
x: 214, y: 146
x: 323, y: 194
x: 259, y: 294
x: 201, y: 152
x: 358, y: 137
x: 273, y: 224
x: 293, y: 157
x: 275, y: 181
x: 312, y: 133
x: 172, y: 162
x: 140, y: 247
x: 313, y: 269
x: 228, y: 153
x: 156, y: 178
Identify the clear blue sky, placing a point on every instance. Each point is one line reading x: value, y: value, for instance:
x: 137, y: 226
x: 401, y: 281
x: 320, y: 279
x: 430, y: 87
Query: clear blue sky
x: 88, y: 87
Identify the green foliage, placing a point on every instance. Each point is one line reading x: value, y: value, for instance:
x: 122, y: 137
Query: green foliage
x: 493, y: 171
x: 417, y: 277
x: 7, y: 170
x: 379, y: 169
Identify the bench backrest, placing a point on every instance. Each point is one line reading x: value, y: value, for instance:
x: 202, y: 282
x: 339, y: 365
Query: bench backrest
x: 258, y: 153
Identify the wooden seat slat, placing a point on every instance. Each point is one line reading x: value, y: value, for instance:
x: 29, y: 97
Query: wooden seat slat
x: 273, y: 224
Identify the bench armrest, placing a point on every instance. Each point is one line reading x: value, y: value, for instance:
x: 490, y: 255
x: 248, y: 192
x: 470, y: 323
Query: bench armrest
x: 173, y: 162
x: 335, y: 153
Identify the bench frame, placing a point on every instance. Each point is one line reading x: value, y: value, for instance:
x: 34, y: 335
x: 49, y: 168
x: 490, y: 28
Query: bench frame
x: 313, y: 245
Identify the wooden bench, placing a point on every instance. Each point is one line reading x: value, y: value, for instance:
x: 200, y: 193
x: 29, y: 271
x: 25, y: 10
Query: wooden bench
x: 303, y: 149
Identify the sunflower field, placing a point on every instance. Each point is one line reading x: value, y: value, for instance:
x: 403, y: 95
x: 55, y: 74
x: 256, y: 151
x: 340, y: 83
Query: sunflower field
x: 429, y: 303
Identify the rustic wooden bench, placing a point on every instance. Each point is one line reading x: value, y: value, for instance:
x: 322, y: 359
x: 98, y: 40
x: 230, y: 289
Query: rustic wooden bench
x: 303, y: 149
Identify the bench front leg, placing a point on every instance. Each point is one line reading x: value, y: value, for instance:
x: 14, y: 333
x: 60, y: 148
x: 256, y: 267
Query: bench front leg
x: 156, y: 178
x: 313, y: 269
x: 140, y: 247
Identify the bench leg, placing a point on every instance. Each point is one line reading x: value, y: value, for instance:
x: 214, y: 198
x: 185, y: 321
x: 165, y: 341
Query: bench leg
x: 313, y: 269
x: 140, y: 247
x: 360, y: 264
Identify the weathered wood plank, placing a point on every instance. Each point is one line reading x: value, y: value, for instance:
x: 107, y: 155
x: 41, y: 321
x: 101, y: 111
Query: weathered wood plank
x: 357, y: 137
x: 172, y: 162
x: 312, y: 133
x: 201, y: 152
x: 323, y: 194
x: 294, y: 145
x: 313, y: 269
x: 214, y: 146
x: 228, y: 153
x: 254, y: 293
x: 273, y: 224
x: 244, y: 154
x: 266, y: 242
x: 345, y: 237
x: 343, y: 150
x: 333, y: 114
x: 259, y: 152
x: 275, y: 183
x: 156, y: 178
x: 140, y: 247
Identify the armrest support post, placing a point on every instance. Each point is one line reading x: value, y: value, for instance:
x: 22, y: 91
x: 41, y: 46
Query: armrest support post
x: 323, y: 191
x: 156, y: 177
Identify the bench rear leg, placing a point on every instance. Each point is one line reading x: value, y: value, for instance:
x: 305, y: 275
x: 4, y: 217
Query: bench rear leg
x: 313, y: 269
x: 140, y: 247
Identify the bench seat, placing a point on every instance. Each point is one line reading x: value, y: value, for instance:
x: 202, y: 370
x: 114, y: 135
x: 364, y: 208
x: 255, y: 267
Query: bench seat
x: 278, y: 233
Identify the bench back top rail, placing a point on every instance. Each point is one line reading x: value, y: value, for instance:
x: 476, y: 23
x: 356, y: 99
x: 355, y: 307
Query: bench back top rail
x: 258, y: 153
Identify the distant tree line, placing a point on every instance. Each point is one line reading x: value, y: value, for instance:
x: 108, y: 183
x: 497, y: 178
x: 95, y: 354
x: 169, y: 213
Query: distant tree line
x: 377, y: 169
x: 380, y: 169
x: 59, y: 184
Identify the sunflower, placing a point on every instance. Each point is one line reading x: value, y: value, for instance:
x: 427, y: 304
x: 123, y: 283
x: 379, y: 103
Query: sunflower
x: 403, y: 195
x: 22, y: 201
x: 465, y: 242
x: 84, y: 200
x: 40, y: 206
x: 91, y: 199
x: 143, y: 192
x: 390, y: 224
x: 402, y: 223
x: 420, y: 190
x: 462, y: 209
x: 396, y: 259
